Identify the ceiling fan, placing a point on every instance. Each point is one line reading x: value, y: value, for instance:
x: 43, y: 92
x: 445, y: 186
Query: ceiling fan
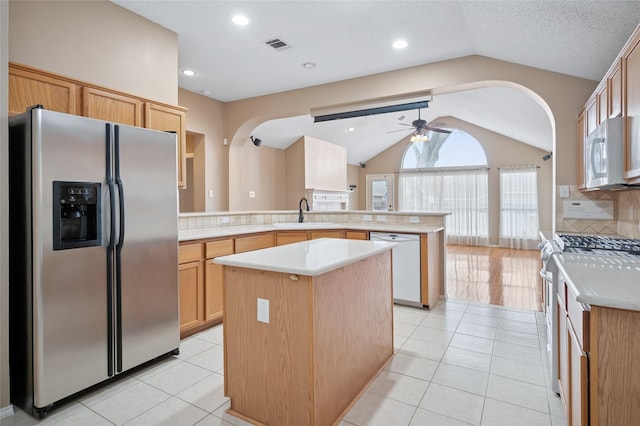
x: 421, y: 128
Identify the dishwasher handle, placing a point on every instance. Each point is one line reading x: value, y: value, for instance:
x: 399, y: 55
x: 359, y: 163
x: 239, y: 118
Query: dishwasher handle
x: 397, y: 238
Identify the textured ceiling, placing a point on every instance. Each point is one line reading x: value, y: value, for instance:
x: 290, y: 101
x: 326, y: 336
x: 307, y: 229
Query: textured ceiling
x: 347, y: 39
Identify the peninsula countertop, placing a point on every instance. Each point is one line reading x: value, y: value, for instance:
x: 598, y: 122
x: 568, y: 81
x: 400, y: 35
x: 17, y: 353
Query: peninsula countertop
x: 226, y: 231
x: 310, y: 258
x: 607, y: 281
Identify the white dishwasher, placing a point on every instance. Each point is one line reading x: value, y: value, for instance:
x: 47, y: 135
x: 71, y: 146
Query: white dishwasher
x: 405, y: 258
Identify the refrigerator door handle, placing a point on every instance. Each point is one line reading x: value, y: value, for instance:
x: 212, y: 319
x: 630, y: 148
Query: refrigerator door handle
x: 119, y: 184
x: 110, y: 250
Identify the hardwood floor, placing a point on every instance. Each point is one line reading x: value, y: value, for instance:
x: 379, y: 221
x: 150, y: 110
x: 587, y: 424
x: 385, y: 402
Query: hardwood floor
x: 498, y: 276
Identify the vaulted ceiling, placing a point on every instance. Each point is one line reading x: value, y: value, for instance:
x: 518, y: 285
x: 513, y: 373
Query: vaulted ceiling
x: 347, y: 39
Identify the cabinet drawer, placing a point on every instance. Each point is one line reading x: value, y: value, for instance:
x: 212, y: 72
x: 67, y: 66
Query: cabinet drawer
x: 254, y: 242
x: 579, y: 317
x: 190, y: 253
x: 326, y: 234
x: 219, y: 248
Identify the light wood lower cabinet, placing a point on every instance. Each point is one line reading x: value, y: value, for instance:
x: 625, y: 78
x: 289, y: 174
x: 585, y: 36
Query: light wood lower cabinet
x: 325, y: 234
x: 431, y: 270
x: 357, y: 235
x: 214, y: 278
x: 254, y: 242
x: 191, y: 281
x: 290, y: 237
x: 579, y: 376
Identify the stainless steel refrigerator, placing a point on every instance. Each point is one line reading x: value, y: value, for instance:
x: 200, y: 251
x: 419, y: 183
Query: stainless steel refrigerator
x: 93, y: 253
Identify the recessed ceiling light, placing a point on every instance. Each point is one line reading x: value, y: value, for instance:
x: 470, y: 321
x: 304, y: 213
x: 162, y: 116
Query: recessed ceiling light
x: 308, y: 65
x: 400, y: 44
x: 240, y: 20
x: 351, y: 129
x: 206, y: 92
x: 188, y: 72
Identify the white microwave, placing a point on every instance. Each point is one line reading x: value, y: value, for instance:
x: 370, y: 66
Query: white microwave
x: 603, y: 156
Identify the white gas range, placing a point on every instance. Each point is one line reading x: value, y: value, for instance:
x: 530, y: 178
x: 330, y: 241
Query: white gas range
x: 583, y: 245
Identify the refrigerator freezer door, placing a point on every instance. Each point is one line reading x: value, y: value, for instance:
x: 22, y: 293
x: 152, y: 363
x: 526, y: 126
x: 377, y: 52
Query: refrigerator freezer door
x: 69, y: 286
x: 149, y: 256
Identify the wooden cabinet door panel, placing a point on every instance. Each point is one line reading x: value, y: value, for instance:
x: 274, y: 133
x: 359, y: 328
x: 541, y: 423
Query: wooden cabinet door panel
x: 254, y: 242
x: 631, y: 64
x: 563, y: 355
x: 603, y: 103
x: 213, y: 291
x: 580, y: 140
x: 357, y: 235
x: 283, y: 238
x: 326, y: 234
x: 591, y: 115
x: 27, y: 89
x: 166, y: 119
x: 615, y: 92
x: 190, y: 253
x: 191, y: 278
x: 578, y: 372
x: 111, y: 107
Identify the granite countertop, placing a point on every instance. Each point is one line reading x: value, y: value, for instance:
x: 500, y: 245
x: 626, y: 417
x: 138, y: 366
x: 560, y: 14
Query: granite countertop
x: 311, y: 258
x: 607, y: 281
x: 225, y: 231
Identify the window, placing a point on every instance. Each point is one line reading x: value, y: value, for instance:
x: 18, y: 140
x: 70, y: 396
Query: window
x: 444, y: 175
x: 519, y: 207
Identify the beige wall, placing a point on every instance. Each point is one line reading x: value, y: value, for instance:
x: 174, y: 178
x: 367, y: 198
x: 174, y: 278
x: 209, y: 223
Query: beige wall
x: 500, y: 151
x: 4, y: 210
x: 205, y: 116
x: 294, y: 175
x: 97, y: 42
x: 257, y: 169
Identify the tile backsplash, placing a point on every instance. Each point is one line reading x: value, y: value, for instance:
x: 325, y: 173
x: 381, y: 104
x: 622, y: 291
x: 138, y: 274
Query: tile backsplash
x: 626, y: 214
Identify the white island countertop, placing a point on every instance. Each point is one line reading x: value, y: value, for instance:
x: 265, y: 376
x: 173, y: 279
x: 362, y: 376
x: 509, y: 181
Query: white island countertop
x: 311, y: 258
x: 608, y: 281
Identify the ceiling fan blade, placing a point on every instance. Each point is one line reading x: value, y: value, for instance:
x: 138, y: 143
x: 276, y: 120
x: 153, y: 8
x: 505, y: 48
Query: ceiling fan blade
x: 437, y: 124
x: 399, y: 130
x: 438, y: 130
x: 405, y: 124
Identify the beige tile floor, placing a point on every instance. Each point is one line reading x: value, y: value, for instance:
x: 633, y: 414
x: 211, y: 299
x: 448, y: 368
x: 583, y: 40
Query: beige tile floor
x: 459, y: 364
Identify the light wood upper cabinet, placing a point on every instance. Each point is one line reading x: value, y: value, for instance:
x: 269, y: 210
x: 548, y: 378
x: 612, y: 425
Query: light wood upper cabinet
x: 28, y: 88
x: 602, y: 99
x: 109, y: 106
x: 580, y: 140
x: 631, y: 99
x: 170, y: 119
x: 615, y: 91
x: 591, y: 115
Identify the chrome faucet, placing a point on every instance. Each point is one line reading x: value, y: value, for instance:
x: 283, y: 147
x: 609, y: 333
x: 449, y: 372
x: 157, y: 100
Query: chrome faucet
x: 300, y: 215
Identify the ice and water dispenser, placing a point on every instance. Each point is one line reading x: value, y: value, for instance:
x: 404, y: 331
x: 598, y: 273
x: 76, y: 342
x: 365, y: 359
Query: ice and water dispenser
x: 77, y: 215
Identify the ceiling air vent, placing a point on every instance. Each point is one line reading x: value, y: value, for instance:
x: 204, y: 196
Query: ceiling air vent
x: 277, y: 44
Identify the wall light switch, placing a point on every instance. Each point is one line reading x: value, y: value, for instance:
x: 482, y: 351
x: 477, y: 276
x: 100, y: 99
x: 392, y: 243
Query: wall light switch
x: 367, y: 218
x: 263, y: 310
x: 211, y: 193
x: 252, y: 194
x: 564, y: 191
x: 224, y: 220
x: 414, y: 219
x: 381, y: 218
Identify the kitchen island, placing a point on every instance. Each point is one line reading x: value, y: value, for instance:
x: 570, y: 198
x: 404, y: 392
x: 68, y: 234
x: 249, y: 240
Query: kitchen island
x: 307, y: 326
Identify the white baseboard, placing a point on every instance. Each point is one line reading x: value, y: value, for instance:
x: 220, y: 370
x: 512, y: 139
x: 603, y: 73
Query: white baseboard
x: 7, y: 411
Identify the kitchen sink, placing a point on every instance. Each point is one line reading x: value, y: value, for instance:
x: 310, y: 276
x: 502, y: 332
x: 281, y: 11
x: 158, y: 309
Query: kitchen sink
x: 305, y: 225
